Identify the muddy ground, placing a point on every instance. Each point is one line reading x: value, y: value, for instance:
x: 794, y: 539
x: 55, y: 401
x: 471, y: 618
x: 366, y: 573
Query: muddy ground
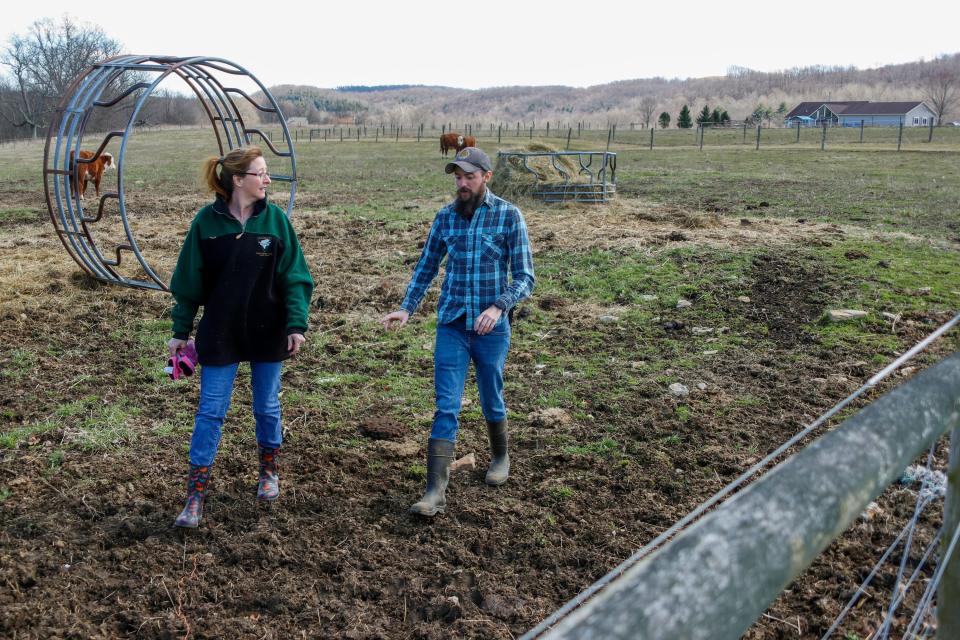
x: 87, y: 549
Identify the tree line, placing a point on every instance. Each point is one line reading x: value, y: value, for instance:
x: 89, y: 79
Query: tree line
x: 37, y: 67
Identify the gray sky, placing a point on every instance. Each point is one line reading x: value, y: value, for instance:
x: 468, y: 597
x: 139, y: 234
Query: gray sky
x: 500, y: 43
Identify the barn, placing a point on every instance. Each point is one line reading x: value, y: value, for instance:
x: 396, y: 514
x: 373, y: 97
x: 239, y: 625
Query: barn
x: 852, y: 113
x: 888, y: 114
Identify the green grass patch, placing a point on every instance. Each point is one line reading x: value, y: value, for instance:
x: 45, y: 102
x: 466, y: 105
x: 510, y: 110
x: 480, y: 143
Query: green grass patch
x: 12, y: 438
x: 18, y: 364
x: 606, y: 446
x: 19, y: 215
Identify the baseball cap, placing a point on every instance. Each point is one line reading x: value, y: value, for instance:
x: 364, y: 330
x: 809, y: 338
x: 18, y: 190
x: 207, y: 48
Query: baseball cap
x: 470, y: 159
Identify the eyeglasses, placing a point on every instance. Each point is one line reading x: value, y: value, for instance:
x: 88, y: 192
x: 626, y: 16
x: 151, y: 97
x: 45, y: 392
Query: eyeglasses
x: 263, y: 175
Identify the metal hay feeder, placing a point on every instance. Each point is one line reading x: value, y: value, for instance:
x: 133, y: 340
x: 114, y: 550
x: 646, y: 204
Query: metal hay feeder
x: 599, y: 168
x: 102, y: 86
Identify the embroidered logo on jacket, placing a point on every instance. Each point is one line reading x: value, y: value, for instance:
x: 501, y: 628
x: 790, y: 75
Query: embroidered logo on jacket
x: 265, y: 244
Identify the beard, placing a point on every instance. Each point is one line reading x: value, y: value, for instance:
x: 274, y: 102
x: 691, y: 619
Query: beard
x: 467, y: 202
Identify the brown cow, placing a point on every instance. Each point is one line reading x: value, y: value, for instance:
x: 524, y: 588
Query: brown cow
x: 84, y: 172
x: 466, y: 141
x: 450, y: 141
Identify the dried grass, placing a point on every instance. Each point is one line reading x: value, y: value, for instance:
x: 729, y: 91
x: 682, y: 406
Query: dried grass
x: 511, y: 179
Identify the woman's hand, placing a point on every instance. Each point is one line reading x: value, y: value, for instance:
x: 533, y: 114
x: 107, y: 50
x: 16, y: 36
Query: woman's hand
x: 175, y: 344
x: 294, y: 340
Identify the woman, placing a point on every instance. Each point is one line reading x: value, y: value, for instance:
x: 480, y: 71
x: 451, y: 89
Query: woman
x: 242, y: 262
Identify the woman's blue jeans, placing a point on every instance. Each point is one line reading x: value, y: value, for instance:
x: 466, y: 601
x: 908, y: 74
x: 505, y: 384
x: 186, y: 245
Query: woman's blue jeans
x: 216, y: 387
x: 456, y: 346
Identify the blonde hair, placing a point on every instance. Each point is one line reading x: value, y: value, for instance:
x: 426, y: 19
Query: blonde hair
x: 234, y: 163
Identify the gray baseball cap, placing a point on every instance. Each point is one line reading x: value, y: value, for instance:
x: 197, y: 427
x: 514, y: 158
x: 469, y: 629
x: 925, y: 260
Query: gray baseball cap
x: 470, y: 159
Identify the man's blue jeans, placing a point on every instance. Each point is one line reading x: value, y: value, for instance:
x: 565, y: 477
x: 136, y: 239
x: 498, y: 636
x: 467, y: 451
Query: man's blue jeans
x: 456, y: 346
x: 216, y: 387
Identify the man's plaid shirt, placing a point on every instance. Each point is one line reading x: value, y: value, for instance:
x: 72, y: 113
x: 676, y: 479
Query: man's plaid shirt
x: 479, y: 251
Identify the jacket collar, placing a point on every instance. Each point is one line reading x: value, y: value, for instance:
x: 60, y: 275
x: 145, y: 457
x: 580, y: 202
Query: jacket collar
x: 221, y: 207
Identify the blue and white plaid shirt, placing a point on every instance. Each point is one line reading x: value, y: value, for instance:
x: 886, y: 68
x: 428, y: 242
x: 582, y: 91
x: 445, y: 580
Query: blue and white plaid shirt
x: 479, y: 251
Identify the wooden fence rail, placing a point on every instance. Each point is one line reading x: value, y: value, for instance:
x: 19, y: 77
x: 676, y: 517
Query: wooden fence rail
x: 714, y: 580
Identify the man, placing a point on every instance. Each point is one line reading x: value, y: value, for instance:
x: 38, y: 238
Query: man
x: 482, y: 236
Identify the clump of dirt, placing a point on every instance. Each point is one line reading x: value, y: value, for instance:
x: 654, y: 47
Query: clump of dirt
x: 382, y: 428
x: 549, y: 418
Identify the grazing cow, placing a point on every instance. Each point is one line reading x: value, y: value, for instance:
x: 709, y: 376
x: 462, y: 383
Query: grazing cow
x: 85, y: 171
x: 466, y: 141
x: 450, y: 141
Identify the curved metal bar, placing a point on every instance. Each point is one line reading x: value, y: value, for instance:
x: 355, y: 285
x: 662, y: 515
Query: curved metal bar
x: 68, y: 126
x: 599, y: 188
x: 249, y: 99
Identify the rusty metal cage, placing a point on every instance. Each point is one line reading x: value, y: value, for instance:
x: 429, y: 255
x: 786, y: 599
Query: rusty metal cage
x: 103, y: 86
x: 592, y: 177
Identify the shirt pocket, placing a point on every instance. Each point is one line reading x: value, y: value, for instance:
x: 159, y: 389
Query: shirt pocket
x: 456, y: 245
x: 494, y: 245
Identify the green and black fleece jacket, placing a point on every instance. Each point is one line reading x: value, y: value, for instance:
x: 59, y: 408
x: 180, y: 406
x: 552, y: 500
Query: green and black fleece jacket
x: 251, y: 280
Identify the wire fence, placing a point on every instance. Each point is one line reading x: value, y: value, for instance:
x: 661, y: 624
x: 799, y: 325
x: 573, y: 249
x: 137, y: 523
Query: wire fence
x: 587, y: 136
x: 898, y: 138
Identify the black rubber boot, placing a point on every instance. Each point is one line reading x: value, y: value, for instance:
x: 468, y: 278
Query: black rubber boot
x: 268, y: 488
x: 439, y: 457
x: 499, y: 458
x: 197, y: 482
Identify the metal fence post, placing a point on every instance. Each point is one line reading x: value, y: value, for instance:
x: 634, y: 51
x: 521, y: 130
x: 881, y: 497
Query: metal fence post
x: 823, y: 137
x: 702, y: 128
x: 930, y: 136
x: 569, y: 133
x: 798, y: 132
x: 900, y: 135
x: 758, y: 137
x: 861, y: 131
x: 651, y: 137
x: 499, y: 131
x: 948, y: 617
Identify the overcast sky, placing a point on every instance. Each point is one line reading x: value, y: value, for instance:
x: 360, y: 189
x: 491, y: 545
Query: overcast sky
x: 501, y: 43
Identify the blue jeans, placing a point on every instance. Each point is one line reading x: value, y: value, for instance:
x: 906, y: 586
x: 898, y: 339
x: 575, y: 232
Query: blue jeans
x: 456, y: 346
x: 216, y: 387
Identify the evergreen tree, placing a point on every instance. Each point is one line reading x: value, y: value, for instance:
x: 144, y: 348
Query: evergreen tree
x: 716, y: 117
x: 704, y: 115
x: 684, y: 121
x: 724, y: 117
x: 664, y: 120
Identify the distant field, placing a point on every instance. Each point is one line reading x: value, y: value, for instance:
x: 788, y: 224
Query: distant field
x: 94, y: 436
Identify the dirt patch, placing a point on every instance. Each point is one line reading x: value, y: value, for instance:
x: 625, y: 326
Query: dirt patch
x: 87, y: 544
x: 788, y: 291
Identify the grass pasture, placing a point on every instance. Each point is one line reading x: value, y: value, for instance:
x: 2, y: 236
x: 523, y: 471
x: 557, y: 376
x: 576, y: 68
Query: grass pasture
x: 93, y: 436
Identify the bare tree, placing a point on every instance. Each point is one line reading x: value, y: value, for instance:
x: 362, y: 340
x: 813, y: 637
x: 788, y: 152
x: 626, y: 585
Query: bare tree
x: 647, y: 106
x: 43, y: 62
x: 941, y: 86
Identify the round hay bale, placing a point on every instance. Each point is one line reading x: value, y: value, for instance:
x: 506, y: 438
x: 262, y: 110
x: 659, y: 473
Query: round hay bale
x: 512, y: 179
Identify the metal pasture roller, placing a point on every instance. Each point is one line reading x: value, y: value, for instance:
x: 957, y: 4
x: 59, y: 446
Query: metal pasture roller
x: 102, y: 86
